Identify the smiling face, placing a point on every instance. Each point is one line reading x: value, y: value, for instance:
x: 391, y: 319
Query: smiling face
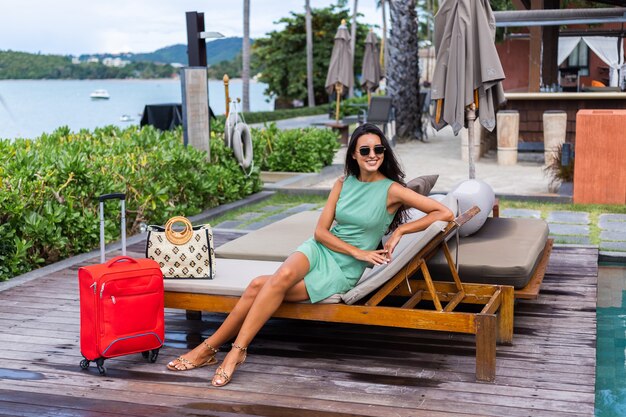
x: 370, y: 162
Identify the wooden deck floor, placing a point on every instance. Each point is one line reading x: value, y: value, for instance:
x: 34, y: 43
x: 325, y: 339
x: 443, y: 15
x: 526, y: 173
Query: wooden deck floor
x: 309, y: 369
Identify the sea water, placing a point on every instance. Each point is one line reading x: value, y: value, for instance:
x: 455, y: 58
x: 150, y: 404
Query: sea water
x: 29, y: 108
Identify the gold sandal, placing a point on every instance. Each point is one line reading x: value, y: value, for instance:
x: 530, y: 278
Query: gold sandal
x: 221, y: 373
x: 190, y: 365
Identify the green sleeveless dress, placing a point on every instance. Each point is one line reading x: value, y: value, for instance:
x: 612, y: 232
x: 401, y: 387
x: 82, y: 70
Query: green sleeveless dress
x: 362, y: 220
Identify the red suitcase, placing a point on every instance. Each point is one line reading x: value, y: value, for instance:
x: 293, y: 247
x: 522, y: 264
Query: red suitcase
x: 121, y: 304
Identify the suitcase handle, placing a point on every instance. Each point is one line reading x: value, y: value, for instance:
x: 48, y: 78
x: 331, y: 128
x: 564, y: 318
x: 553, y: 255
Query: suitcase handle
x: 114, y: 196
x: 119, y: 259
x: 103, y: 198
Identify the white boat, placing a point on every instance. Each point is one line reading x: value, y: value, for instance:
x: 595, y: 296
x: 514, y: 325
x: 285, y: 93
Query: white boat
x: 100, y: 94
x: 126, y: 118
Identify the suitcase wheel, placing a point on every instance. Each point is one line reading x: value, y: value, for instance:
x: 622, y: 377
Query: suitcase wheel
x: 151, y: 355
x: 100, y: 366
x: 84, y: 364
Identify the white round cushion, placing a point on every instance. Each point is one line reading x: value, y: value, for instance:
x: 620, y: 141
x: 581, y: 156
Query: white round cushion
x: 471, y: 193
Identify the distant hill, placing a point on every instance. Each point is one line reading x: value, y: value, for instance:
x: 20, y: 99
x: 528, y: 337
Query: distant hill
x: 223, y: 49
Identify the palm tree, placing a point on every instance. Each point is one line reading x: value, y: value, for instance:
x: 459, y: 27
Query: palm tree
x: 384, y: 51
x: 309, y: 53
x: 245, y: 56
x: 403, y: 69
x: 353, y: 41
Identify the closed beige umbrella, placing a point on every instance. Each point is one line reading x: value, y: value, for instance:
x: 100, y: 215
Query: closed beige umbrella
x: 340, y: 78
x: 468, y: 72
x: 370, y: 71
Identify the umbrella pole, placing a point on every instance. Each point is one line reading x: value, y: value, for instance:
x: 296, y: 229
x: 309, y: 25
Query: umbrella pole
x: 369, y: 97
x: 470, y: 113
x: 339, y: 90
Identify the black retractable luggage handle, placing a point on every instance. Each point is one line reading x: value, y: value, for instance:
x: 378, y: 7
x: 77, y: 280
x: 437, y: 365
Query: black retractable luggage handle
x: 102, y: 199
x: 114, y: 196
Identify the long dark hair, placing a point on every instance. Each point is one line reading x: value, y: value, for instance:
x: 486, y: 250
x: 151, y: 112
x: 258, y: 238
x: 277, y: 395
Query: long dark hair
x: 390, y: 167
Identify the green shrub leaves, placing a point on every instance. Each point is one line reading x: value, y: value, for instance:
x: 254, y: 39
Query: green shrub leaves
x: 294, y: 150
x: 49, y: 188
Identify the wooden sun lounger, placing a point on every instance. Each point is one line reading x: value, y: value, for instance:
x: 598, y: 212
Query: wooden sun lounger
x: 526, y: 247
x: 493, y: 323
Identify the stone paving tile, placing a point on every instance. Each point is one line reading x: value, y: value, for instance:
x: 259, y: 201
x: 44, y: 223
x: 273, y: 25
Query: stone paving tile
x: 273, y: 208
x: 568, y: 229
x: 615, y: 227
x: 571, y: 240
x: 248, y: 216
x: 300, y: 208
x: 229, y: 224
x: 568, y: 217
x: 612, y: 225
x: 525, y: 213
x: 611, y: 235
x: 611, y: 217
x: 613, y: 246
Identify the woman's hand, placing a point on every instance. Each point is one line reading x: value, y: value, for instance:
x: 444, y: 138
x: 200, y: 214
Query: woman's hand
x: 376, y: 257
x: 391, y: 243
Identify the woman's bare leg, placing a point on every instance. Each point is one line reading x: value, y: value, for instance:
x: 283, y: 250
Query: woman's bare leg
x: 227, y: 330
x: 286, y: 284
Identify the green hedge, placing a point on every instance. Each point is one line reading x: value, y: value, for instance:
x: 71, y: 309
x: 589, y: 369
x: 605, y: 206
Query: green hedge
x: 293, y: 150
x: 351, y: 106
x: 49, y: 188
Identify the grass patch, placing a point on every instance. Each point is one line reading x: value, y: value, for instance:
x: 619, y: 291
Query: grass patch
x: 594, y: 210
x: 279, y: 199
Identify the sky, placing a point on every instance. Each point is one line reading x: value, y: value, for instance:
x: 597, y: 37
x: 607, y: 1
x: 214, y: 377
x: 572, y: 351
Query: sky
x: 75, y: 27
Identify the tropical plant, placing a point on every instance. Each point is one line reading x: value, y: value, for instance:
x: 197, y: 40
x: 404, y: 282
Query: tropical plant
x: 281, y: 57
x: 403, y: 69
x: 353, y: 40
x: 309, y: 54
x: 561, y: 168
x: 293, y: 150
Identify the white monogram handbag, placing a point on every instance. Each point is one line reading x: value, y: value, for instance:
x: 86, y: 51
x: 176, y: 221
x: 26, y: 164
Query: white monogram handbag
x: 187, y: 253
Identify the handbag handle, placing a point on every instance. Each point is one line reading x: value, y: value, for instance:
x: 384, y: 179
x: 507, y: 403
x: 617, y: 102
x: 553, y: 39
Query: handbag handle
x: 178, y: 238
x: 119, y: 259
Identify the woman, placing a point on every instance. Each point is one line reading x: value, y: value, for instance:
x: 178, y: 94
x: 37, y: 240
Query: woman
x: 369, y: 201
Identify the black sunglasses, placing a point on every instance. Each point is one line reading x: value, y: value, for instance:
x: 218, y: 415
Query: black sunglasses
x: 378, y: 150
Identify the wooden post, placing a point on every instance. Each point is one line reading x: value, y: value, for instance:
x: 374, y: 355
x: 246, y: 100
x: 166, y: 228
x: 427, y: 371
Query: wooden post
x: 486, y: 347
x: 505, y: 316
x: 196, y: 127
x: 339, y: 91
x: 470, y: 113
x: 226, y: 80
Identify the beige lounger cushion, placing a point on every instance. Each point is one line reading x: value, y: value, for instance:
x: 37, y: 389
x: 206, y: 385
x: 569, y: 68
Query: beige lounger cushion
x: 231, y: 278
x: 504, y: 251
x: 274, y: 242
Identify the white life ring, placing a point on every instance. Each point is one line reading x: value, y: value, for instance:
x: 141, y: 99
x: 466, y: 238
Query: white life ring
x: 229, y: 128
x: 242, y: 145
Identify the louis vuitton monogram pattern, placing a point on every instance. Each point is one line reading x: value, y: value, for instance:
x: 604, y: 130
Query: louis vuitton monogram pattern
x: 194, y: 259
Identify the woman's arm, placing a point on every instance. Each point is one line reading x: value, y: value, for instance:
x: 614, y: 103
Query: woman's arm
x: 399, y: 196
x: 332, y: 242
